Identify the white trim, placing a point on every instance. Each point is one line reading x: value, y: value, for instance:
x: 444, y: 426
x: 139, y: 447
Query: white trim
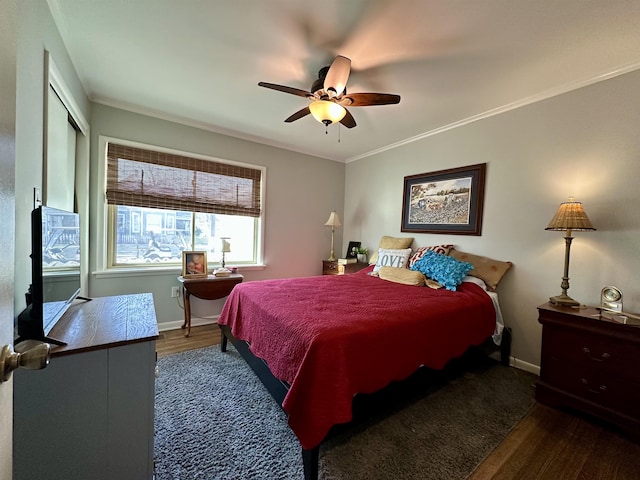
x: 213, y: 320
x: 56, y: 80
x: 195, y: 322
x: 101, y: 207
x: 552, y: 92
x: 526, y: 366
x: 153, y: 271
x: 53, y: 78
x: 109, y: 102
x: 173, y: 151
x: 102, y: 229
x: 83, y: 153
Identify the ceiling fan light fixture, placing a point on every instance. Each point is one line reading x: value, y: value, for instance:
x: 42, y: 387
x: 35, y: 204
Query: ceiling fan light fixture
x: 327, y: 112
x: 328, y: 96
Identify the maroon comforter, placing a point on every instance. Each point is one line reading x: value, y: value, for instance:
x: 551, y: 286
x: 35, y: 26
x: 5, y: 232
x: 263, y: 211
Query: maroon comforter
x: 333, y: 336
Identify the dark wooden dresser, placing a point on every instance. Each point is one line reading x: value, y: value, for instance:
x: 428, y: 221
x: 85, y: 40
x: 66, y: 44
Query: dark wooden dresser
x: 590, y: 363
x: 330, y: 267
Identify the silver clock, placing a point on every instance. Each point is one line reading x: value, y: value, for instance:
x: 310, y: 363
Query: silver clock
x: 611, y: 299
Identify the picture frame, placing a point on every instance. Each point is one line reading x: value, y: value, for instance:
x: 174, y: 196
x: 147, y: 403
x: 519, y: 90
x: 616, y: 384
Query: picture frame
x: 445, y: 201
x: 350, y: 250
x: 194, y: 264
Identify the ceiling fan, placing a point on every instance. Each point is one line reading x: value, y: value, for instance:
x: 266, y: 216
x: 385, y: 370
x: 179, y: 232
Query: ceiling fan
x: 329, y: 97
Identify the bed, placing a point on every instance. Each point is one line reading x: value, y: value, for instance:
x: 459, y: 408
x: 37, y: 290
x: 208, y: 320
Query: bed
x: 316, y: 342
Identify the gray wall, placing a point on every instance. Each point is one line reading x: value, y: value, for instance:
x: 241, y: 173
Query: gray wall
x: 36, y: 33
x: 584, y: 143
x: 29, y: 32
x: 301, y: 191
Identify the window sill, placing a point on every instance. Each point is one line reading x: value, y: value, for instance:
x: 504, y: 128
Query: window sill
x: 149, y: 272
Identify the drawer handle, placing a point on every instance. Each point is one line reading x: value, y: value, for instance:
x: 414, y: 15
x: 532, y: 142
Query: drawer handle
x: 602, y: 358
x: 600, y: 389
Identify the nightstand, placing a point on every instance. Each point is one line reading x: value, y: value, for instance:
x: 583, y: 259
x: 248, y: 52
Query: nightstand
x: 590, y: 363
x: 333, y: 268
x: 207, y: 288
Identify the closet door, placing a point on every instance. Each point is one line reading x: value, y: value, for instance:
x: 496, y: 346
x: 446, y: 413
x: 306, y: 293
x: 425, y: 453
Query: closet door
x: 60, y: 151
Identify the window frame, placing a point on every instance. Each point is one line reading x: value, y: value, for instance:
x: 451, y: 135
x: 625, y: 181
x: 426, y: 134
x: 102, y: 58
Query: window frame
x: 107, y: 217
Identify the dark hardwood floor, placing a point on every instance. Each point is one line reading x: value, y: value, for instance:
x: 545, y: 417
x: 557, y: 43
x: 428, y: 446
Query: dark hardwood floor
x: 547, y: 444
x: 551, y: 444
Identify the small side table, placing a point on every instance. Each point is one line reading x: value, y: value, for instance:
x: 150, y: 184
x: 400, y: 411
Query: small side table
x: 207, y: 288
x: 332, y: 267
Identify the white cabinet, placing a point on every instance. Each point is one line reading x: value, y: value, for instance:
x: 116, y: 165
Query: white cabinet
x: 89, y: 414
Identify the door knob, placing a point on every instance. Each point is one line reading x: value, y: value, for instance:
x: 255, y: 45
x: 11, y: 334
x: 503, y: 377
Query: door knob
x: 30, y: 354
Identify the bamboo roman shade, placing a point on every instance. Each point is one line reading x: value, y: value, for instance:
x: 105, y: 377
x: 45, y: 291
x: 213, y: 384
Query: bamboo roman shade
x: 145, y: 178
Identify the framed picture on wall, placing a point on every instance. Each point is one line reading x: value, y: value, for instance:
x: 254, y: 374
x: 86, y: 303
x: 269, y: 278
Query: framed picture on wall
x: 194, y: 264
x: 447, y: 201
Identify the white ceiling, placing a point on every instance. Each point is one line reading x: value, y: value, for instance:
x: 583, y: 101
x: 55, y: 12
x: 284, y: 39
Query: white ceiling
x: 198, y: 62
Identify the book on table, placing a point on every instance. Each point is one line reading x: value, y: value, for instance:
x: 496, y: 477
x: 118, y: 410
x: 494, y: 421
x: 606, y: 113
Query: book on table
x: 345, y: 261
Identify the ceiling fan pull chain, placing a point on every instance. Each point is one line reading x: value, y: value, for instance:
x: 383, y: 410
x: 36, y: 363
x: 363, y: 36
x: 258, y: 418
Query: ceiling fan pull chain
x: 339, y: 131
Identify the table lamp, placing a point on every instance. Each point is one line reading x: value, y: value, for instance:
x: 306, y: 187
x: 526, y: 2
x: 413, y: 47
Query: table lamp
x: 570, y: 216
x: 333, y: 222
x: 226, y: 248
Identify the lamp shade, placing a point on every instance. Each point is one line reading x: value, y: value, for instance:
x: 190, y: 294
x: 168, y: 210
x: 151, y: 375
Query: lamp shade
x: 334, y: 220
x: 327, y: 112
x: 570, y: 216
x: 226, y: 246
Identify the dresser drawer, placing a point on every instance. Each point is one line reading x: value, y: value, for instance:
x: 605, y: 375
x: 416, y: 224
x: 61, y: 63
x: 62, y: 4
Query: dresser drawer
x: 330, y: 268
x: 606, y: 355
x: 334, y: 268
x: 594, y: 384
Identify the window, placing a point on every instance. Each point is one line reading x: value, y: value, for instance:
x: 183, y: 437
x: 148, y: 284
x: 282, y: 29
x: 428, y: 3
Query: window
x: 161, y: 203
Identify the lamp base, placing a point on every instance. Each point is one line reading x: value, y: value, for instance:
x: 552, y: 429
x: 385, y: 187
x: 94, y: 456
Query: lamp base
x: 564, y: 300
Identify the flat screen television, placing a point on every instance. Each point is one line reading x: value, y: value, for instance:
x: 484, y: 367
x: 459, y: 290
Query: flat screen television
x: 55, y: 272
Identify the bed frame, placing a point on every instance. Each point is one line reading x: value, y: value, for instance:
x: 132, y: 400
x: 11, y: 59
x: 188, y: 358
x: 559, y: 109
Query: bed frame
x: 278, y: 388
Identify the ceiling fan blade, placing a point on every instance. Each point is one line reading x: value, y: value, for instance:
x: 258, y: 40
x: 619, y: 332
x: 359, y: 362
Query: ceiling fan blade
x: 348, y: 120
x: 337, y: 76
x: 285, y: 89
x: 365, y: 99
x: 299, y: 114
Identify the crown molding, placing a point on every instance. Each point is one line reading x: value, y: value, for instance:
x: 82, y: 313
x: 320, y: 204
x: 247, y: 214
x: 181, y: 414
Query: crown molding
x: 550, y: 93
x: 109, y: 102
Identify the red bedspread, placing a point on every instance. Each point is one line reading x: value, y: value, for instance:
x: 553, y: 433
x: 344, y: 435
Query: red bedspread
x: 333, y: 336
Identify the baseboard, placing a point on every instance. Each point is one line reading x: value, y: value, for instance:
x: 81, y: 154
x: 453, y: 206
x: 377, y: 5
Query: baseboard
x: 526, y: 366
x: 195, y: 322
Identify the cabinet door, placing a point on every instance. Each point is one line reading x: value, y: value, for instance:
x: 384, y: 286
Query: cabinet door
x: 131, y: 406
x: 60, y: 419
x: 87, y: 416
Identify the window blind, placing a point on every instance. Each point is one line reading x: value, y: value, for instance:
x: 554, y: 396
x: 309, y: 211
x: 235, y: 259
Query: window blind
x: 146, y: 178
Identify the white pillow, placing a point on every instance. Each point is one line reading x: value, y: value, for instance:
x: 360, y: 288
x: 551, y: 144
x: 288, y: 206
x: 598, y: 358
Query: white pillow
x: 392, y: 258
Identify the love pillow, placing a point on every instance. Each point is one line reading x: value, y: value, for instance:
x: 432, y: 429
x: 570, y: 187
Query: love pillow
x: 392, y: 258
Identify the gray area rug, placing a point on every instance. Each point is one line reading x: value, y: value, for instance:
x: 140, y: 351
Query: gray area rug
x: 215, y: 420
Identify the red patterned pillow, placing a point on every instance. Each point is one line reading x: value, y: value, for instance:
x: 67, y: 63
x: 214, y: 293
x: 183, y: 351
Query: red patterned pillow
x: 419, y: 252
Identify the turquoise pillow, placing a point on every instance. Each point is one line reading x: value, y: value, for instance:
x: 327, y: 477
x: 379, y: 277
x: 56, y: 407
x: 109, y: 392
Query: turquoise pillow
x: 445, y: 270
